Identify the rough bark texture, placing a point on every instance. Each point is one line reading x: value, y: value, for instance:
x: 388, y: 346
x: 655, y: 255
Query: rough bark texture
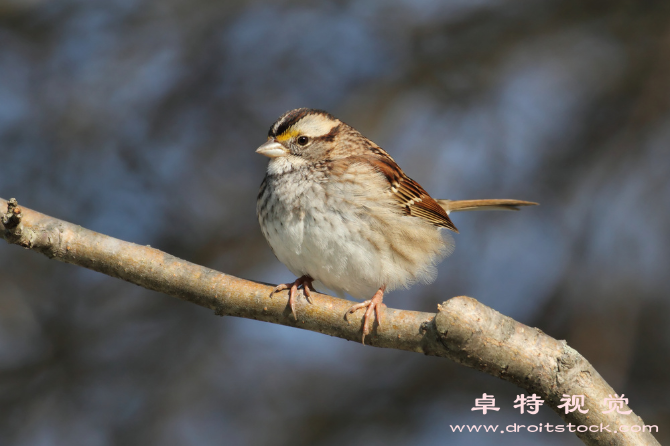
x: 463, y: 329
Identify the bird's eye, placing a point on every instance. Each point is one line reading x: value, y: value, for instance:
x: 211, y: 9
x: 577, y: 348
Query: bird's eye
x: 302, y: 140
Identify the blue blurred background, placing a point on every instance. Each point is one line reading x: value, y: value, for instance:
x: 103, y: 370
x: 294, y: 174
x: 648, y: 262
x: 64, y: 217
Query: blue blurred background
x: 153, y: 109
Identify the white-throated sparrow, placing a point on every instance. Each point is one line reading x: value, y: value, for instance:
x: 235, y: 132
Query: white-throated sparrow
x: 336, y: 209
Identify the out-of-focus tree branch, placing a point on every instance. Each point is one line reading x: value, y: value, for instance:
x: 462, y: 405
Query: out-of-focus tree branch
x: 463, y: 329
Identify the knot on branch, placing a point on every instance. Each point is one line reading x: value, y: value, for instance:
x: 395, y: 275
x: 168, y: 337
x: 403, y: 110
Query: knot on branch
x: 24, y: 230
x: 12, y: 218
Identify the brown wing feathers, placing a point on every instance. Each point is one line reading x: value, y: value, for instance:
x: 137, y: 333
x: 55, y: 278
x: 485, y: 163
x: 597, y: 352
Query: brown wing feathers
x: 408, y: 193
x: 415, y: 201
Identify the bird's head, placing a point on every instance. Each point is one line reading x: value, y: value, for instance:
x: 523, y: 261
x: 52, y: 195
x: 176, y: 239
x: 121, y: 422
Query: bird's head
x: 305, y: 135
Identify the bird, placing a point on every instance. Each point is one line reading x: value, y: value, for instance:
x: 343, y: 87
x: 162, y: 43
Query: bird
x: 338, y: 211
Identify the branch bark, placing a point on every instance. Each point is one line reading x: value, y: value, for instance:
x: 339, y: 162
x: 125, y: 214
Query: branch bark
x: 463, y: 329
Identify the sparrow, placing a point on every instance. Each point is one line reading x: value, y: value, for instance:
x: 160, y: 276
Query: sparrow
x: 337, y: 210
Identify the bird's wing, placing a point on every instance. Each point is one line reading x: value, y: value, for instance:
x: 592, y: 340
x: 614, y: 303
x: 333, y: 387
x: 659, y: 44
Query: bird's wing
x: 408, y: 194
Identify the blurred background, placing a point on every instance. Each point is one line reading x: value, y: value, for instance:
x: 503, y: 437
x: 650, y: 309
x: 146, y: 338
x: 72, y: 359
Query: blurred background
x: 153, y: 109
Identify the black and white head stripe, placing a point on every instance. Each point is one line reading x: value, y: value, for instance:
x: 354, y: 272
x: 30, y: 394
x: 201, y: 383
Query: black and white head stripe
x: 290, y: 118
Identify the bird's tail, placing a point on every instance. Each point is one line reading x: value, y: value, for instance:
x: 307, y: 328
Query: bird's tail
x: 483, y: 205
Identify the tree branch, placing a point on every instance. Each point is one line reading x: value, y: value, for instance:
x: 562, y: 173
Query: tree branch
x: 463, y: 329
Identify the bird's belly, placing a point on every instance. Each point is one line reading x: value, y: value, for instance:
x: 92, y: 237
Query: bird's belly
x: 330, y: 246
x: 349, y: 242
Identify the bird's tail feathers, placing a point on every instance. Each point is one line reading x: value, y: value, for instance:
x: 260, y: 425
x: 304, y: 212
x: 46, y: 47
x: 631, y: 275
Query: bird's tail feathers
x: 483, y: 205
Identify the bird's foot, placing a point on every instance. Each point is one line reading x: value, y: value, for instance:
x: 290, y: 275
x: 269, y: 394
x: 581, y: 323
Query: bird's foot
x: 372, y: 305
x: 305, y: 282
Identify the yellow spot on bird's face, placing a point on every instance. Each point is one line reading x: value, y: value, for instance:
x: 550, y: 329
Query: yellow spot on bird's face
x: 312, y: 126
x: 288, y: 134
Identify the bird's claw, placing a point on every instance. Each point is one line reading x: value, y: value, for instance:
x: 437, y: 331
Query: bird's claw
x: 373, y: 305
x: 305, y: 282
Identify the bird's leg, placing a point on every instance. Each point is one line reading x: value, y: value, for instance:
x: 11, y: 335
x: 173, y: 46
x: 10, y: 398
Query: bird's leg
x: 303, y: 281
x: 372, y: 305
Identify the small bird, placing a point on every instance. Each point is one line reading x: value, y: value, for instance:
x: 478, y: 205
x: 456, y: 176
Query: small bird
x: 337, y: 210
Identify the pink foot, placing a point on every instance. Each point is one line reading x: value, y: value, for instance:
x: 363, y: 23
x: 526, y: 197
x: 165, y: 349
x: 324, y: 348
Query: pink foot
x: 372, y: 305
x: 305, y: 282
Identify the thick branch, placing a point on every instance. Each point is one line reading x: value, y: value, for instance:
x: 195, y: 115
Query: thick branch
x: 463, y: 329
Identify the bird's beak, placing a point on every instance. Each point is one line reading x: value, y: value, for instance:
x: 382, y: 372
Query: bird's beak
x: 272, y: 149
